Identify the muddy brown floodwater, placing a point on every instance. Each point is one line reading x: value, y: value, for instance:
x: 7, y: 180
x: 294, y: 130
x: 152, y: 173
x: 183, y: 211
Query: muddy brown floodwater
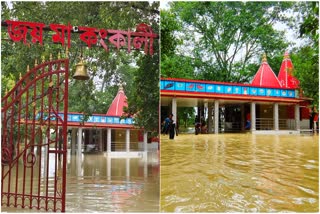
x: 103, y: 184
x: 239, y: 173
x: 96, y: 183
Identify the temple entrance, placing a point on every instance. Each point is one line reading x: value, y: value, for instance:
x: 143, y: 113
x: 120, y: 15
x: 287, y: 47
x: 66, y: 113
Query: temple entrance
x: 34, y: 139
x: 233, y: 119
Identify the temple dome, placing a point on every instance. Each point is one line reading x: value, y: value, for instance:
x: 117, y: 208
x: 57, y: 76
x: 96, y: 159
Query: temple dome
x: 285, y: 76
x: 265, y: 77
x: 120, y: 101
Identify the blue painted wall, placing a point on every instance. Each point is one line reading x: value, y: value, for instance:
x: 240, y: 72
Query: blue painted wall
x: 76, y: 117
x: 225, y: 89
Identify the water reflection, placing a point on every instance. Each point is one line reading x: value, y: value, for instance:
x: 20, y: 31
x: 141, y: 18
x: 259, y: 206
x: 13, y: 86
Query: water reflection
x: 239, y: 172
x: 98, y: 183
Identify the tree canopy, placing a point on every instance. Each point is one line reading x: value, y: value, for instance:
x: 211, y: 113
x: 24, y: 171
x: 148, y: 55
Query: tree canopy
x: 306, y: 58
x: 225, y: 38
x: 106, y: 70
x: 224, y: 41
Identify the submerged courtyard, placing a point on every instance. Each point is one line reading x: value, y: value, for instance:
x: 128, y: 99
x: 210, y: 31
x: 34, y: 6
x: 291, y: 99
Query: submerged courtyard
x: 98, y: 183
x: 240, y: 173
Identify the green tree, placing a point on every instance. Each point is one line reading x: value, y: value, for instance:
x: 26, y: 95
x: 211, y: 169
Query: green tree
x: 106, y: 70
x: 225, y: 38
x: 306, y: 69
x: 177, y: 66
x: 169, y: 26
x: 184, y: 115
x: 306, y: 58
x: 144, y: 102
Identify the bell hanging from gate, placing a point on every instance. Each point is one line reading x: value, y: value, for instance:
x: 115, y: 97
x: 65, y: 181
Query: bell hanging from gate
x: 81, y: 71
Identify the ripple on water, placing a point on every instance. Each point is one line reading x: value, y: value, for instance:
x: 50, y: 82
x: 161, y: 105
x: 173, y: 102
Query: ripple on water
x: 239, y: 173
x: 310, y: 166
x: 307, y: 190
x: 176, y: 199
x: 304, y: 200
x: 106, y: 195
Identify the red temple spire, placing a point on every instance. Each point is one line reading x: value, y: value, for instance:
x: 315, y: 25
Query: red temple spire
x: 285, y: 76
x: 265, y: 77
x: 120, y: 101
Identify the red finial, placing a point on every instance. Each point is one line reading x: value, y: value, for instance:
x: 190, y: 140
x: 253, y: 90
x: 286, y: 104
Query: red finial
x: 264, y: 57
x: 286, y: 55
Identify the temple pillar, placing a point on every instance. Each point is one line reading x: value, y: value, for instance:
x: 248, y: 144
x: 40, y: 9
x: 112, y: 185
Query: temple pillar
x: 79, y: 143
x: 73, y: 140
x: 108, y: 140
x: 276, y: 116
x: 145, y: 141
x: 297, y: 116
x: 216, y: 116
x: 205, y: 113
x: 253, y: 116
x: 209, y: 125
x: 174, y: 109
x: 127, y: 140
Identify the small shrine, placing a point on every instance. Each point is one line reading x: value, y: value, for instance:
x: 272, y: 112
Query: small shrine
x: 112, y: 133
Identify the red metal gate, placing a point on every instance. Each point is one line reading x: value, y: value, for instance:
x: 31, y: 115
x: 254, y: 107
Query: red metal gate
x: 34, y: 139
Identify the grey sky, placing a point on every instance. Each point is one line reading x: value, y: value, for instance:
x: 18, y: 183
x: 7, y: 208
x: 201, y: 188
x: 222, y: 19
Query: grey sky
x: 290, y: 35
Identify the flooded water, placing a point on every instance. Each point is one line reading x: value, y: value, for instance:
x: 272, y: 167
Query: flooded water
x: 96, y: 183
x: 102, y: 184
x: 239, y: 173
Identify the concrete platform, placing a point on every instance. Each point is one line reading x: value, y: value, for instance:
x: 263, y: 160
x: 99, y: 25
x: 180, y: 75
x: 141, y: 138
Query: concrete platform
x: 138, y: 154
x: 273, y: 132
x: 151, y: 146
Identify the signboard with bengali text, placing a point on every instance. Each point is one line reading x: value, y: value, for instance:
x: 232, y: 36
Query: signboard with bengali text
x: 227, y: 88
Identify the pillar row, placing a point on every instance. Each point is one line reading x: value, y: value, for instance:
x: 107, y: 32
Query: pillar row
x: 297, y: 116
x: 73, y: 140
x: 127, y: 140
x: 174, y: 109
x: 145, y: 141
x: 216, y: 116
x: 79, y: 140
x: 209, y: 118
x: 276, y: 116
x: 108, y: 140
x: 253, y: 116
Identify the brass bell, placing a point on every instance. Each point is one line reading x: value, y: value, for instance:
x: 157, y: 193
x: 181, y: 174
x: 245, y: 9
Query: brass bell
x: 81, y: 71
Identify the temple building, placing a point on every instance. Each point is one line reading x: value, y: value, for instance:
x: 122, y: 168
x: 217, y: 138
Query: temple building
x: 111, y: 132
x: 272, y: 104
x: 265, y: 77
x: 285, y: 76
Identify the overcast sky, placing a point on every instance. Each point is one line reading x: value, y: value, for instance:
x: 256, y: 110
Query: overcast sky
x: 290, y: 35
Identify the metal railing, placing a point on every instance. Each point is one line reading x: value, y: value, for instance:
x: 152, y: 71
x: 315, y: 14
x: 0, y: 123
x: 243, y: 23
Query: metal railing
x: 120, y: 146
x: 232, y: 126
x: 264, y: 124
x: 268, y: 124
x: 134, y: 146
x: 287, y: 124
x: 261, y: 124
